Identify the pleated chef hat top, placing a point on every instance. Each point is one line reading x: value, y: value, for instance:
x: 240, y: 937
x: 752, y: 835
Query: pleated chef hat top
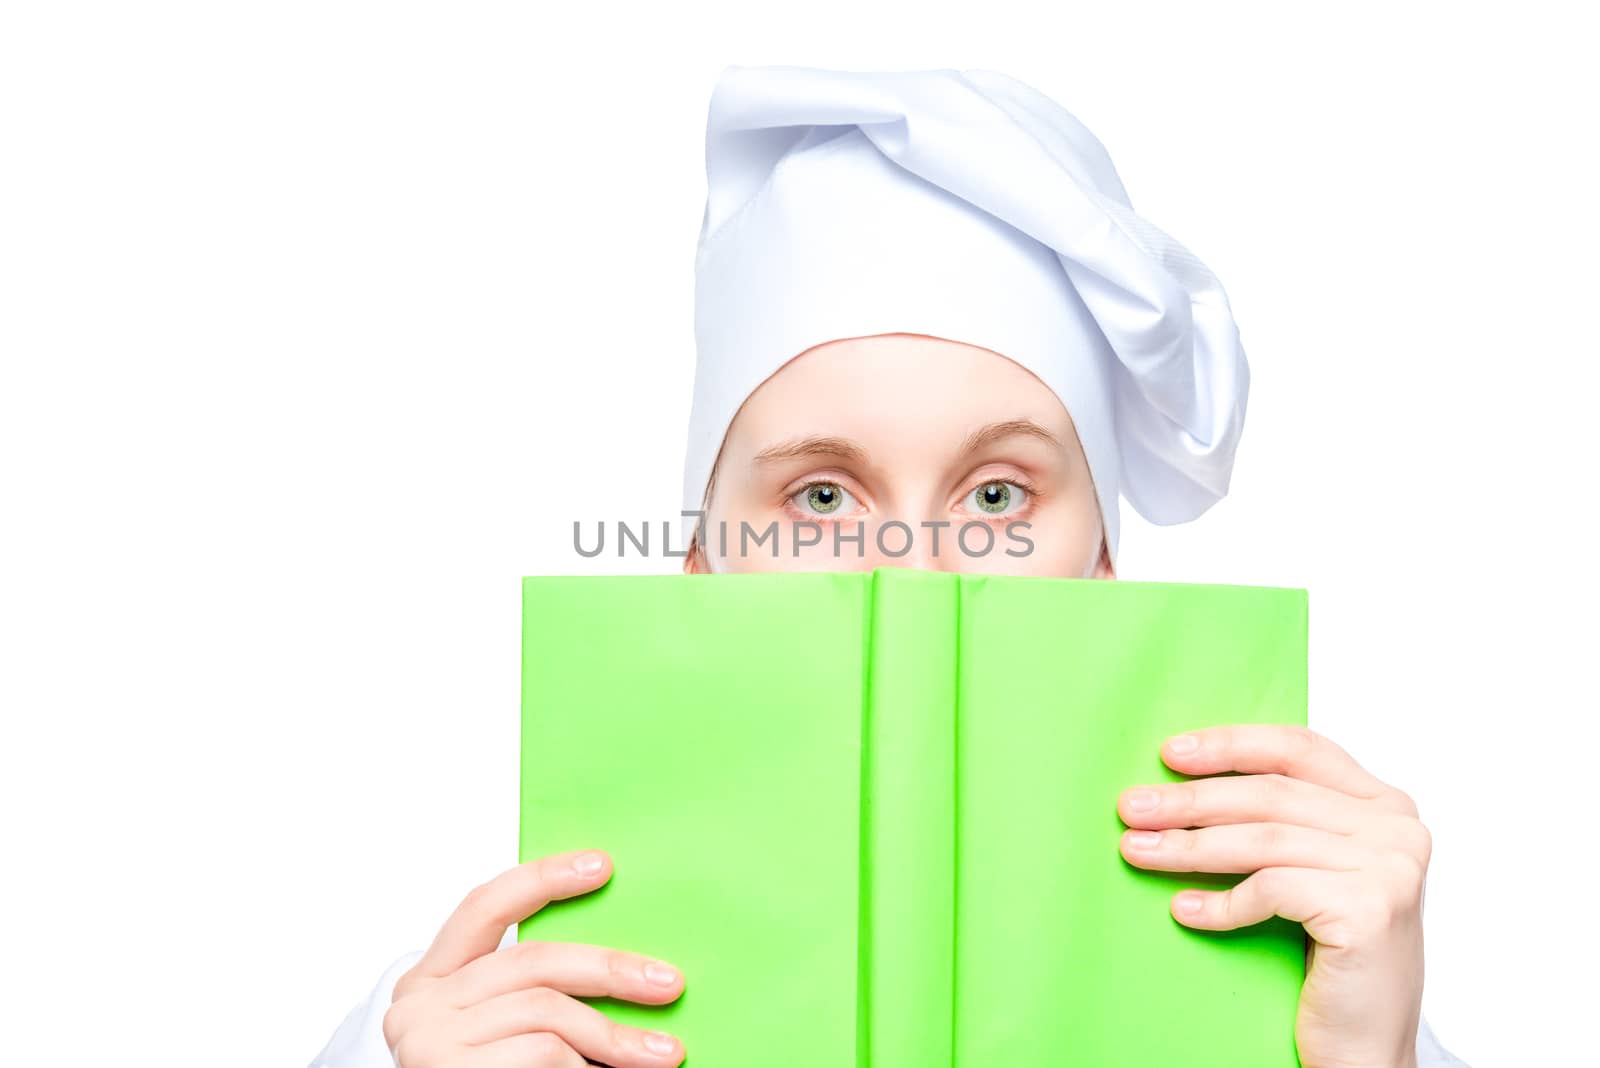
x: 964, y: 205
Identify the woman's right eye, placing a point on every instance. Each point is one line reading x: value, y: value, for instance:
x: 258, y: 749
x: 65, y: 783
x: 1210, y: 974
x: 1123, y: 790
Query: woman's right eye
x: 823, y: 498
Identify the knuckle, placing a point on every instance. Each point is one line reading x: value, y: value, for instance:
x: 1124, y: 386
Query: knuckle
x: 1424, y: 843
x: 1258, y: 894
x: 527, y: 952
x: 1374, y: 912
x: 1263, y: 794
x: 1273, y: 787
x: 1386, y: 909
x: 620, y: 967
x: 1269, y: 888
x: 547, y: 1047
x: 531, y: 879
x: 542, y: 1001
x: 404, y: 985
x: 479, y: 900
x: 1268, y: 884
x: 1186, y: 797
x: 410, y: 1052
x: 1230, y: 907
x: 1408, y: 876
x: 394, y: 1027
x: 1304, y: 740
x: 1404, y: 802
x: 522, y: 959
x: 1338, y: 929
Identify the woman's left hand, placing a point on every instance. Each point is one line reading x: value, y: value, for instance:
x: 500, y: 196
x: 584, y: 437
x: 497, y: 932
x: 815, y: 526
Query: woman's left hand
x: 1326, y: 844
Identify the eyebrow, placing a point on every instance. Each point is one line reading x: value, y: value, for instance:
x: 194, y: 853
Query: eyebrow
x: 798, y: 448
x: 988, y: 435
x: 845, y: 449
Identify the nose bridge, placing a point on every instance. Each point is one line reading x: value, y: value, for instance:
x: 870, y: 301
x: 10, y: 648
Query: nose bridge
x: 910, y: 540
x: 902, y: 541
x: 912, y: 527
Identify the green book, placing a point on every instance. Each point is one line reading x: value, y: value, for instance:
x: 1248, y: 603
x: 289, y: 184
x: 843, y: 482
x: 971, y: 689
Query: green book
x: 872, y: 815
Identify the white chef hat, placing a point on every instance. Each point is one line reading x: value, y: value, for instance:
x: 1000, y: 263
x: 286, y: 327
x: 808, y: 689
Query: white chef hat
x: 969, y: 206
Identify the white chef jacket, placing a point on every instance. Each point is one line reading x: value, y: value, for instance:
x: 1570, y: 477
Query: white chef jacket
x: 358, y: 1042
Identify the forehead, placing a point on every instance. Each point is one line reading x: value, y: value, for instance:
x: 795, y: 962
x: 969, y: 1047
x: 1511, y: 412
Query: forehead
x: 902, y: 388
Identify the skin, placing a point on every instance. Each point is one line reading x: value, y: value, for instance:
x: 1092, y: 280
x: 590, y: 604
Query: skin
x: 892, y: 424
x: 908, y: 428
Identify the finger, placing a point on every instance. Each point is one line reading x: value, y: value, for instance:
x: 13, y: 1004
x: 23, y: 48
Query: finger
x: 479, y: 922
x: 1264, y: 748
x: 1298, y: 894
x: 1338, y: 909
x: 571, y: 967
x: 541, y: 1049
x: 583, y: 1027
x: 1244, y: 847
x: 1270, y: 798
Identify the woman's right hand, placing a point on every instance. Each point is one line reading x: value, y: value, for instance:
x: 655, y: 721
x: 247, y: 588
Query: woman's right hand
x: 467, y: 1004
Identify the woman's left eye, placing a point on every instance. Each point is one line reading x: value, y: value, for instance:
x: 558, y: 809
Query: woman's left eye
x: 997, y: 498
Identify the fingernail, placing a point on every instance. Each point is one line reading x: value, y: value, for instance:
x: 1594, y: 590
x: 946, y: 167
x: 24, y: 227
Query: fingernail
x: 660, y: 1042
x: 1143, y: 800
x: 588, y: 863
x: 660, y: 974
x: 1143, y: 839
x: 1188, y: 903
x: 1184, y: 743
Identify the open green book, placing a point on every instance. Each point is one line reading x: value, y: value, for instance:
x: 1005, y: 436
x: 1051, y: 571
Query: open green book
x: 872, y: 815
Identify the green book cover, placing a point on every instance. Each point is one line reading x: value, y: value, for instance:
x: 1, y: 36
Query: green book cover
x: 872, y: 815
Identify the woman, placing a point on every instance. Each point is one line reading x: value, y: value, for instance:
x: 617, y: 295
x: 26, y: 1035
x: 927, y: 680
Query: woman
x: 924, y: 306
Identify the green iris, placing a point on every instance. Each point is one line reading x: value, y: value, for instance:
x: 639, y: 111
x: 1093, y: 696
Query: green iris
x: 993, y: 496
x: 824, y: 498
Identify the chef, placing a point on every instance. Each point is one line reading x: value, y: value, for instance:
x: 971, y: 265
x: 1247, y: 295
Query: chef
x: 924, y: 305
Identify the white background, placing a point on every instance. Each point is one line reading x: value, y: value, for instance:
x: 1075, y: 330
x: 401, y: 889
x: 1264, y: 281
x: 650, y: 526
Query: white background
x: 320, y: 322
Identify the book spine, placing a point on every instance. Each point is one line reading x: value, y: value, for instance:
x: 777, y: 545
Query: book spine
x: 908, y: 826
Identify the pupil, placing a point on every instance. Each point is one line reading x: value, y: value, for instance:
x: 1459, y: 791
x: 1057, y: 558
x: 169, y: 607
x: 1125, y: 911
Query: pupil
x: 824, y: 498
x: 994, y: 496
